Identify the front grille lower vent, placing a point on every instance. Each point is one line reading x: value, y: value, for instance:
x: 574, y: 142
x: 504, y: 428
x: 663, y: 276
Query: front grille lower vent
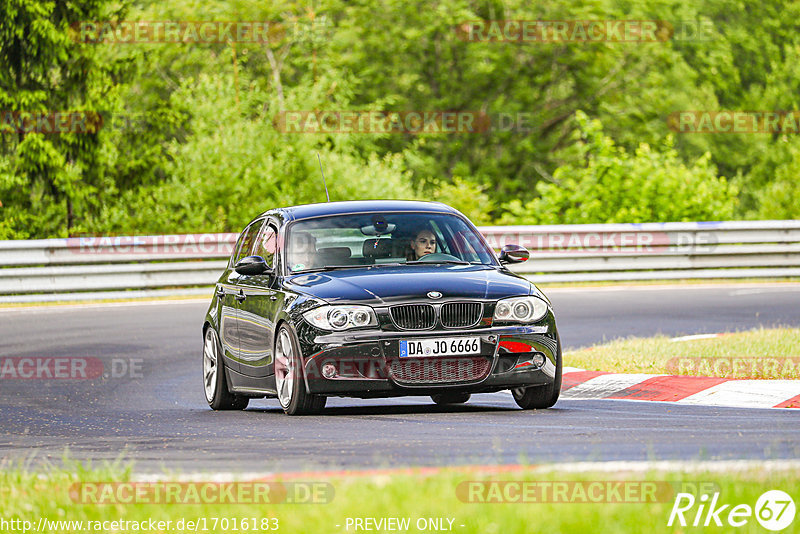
x: 414, y: 316
x: 420, y: 371
x: 461, y: 314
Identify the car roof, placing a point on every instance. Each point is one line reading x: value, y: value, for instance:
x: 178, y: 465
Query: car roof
x: 306, y: 211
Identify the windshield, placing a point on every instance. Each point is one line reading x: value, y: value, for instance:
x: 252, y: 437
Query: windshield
x: 343, y: 241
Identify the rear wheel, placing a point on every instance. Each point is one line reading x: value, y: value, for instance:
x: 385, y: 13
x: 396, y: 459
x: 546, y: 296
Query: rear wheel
x: 292, y: 394
x: 537, y: 397
x: 214, y: 381
x: 450, y: 398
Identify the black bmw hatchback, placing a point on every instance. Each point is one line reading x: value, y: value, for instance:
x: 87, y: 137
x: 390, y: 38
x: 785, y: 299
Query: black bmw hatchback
x: 375, y: 299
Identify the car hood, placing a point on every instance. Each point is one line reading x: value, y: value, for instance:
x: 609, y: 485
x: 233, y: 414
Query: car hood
x: 385, y: 285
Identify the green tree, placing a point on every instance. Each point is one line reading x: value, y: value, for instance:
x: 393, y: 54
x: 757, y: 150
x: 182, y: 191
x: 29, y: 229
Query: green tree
x: 408, y: 55
x: 606, y: 183
x: 50, y: 181
x: 203, y: 152
x: 236, y: 164
x: 780, y: 198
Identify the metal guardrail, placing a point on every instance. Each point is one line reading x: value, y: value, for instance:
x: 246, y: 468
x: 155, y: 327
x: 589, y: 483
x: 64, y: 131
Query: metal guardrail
x: 51, y: 268
x: 650, y: 251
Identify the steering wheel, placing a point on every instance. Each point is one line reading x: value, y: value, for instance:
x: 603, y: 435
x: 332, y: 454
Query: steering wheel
x: 438, y: 256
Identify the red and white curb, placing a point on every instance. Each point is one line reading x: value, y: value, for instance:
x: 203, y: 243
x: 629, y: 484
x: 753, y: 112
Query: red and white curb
x: 702, y: 390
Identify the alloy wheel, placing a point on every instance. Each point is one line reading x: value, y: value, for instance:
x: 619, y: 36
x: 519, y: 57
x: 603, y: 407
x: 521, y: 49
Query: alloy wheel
x: 284, y: 368
x: 210, y: 363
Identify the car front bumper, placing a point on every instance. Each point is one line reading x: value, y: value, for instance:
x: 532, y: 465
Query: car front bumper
x: 367, y: 363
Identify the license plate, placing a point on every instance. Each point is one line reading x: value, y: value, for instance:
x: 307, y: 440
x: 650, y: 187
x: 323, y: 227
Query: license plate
x: 446, y: 346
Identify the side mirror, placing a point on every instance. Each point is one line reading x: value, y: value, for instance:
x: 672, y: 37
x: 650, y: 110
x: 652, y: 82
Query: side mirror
x: 514, y: 254
x: 252, y: 266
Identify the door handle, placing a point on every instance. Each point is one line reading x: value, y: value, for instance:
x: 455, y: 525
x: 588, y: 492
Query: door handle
x: 241, y: 296
x: 220, y: 292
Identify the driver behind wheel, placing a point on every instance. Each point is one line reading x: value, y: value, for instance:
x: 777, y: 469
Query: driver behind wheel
x: 303, y: 251
x: 422, y: 244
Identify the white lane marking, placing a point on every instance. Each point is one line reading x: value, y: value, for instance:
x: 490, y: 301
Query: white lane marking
x: 671, y: 287
x: 680, y: 403
x: 756, y: 291
x: 604, y: 385
x: 695, y: 336
x: 721, y: 466
x: 94, y: 305
x: 746, y: 393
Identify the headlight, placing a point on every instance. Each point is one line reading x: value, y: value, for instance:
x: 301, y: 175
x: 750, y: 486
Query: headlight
x: 520, y: 309
x: 341, y: 317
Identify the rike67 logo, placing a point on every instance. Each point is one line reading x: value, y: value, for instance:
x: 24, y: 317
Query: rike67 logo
x: 774, y: 510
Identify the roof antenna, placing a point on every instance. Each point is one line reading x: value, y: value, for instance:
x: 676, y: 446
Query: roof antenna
x: 323, y: 177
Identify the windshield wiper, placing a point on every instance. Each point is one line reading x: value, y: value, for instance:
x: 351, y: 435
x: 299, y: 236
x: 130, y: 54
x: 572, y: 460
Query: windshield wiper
x: 394, y: 264
x: 331, y: 268
x: 452, y: 262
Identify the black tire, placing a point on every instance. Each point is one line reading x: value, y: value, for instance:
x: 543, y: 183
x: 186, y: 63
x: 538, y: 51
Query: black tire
x: 292, y: 394
x: 540, y: 397
x: 450, y: 398
x: 214, y: 380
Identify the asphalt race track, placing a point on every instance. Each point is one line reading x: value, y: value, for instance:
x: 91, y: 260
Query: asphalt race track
x: 157, y: 416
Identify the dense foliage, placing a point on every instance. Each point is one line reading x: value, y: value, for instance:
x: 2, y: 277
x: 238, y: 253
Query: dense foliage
x: 580, y: 132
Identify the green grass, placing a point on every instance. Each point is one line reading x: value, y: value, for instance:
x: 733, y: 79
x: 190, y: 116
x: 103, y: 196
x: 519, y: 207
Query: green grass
x: 29, y: 495
x: 764, y: 353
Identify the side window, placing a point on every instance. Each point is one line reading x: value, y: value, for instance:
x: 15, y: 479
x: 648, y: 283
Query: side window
x: 238, y: 246
x: 463, y: 243
x: 267, y: 244
x: 247, y: 241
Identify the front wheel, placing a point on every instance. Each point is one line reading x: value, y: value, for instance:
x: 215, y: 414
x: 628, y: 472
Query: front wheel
x: 292, y: 394
x: 214, y: 382
x: 538, y: 397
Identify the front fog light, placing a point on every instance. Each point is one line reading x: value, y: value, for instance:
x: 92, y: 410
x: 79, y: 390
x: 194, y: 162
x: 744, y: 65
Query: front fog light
x: 328, y: 370
x: 538, y: 359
